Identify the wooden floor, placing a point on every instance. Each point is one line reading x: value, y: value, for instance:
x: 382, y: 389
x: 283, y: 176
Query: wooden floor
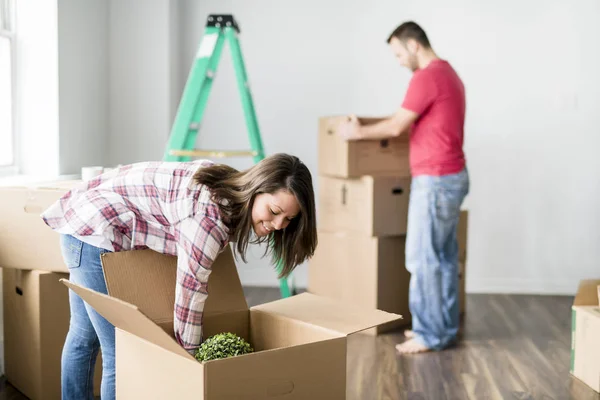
x: 512, y: 347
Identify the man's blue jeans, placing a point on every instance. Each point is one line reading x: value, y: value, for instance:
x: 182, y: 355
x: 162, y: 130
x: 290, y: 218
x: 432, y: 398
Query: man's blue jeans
x: 88, y: 330
x: 432, y: 256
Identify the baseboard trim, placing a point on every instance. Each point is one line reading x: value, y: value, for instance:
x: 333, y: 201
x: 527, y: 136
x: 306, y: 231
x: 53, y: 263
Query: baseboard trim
x: 494, y: 286
x: 522, y: 286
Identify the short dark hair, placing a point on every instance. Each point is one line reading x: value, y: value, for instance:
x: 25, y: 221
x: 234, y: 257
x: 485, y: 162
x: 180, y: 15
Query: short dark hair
x: 410, y: 30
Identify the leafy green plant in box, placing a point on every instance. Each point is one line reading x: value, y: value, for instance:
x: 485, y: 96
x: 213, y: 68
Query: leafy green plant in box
x: 222, y: 345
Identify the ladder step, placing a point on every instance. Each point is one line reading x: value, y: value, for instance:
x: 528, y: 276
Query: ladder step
x: 213, y: 153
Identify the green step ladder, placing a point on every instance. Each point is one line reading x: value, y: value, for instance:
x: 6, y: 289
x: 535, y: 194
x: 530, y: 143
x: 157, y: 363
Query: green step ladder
x: 180, y: 147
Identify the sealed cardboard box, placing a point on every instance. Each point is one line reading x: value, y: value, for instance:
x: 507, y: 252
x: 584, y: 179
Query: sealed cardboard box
x: 585, y: 334
x: 374, y: 206
x: 365, y: 271
x: 462, y: 235
x: 21, y: 225
x: 368, y: 272
x: 341, y: 158
x: 299, y: 342
x: 462, y: 295
x: 36, y: 322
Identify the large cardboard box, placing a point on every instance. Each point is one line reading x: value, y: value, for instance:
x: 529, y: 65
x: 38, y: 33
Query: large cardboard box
x: 368, y: 272
x: 21, y: 226
x: 36, y: 322
x: 462, y: 286
x: 365, y: 271
x: 374, y: 206
x: 341, y: 158
x: 300, y: 341
x: 585, y: 334
x: 462, y: 235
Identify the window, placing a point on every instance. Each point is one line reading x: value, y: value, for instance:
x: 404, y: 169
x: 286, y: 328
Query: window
x: 7, y: 80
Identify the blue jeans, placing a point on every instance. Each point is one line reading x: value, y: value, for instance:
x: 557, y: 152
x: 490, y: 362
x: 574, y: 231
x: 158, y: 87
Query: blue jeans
x: 432, y: 256
x: 88, y: 330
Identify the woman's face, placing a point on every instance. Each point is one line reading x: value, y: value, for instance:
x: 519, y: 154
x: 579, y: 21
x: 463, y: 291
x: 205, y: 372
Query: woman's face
x: 272, y: 212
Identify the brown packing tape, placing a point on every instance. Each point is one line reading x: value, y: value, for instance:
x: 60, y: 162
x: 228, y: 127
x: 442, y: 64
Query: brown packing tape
x: 587, y: 293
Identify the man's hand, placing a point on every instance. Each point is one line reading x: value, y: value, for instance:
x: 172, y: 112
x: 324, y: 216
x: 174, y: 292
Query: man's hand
x: 387, y: 128
x: 349, y: 129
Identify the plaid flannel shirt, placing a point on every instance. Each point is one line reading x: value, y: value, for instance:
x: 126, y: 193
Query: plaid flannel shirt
x: 153, y: 205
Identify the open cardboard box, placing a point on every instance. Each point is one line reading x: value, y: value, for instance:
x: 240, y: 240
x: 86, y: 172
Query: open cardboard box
x: 585, y: 334
x: 299, y: 342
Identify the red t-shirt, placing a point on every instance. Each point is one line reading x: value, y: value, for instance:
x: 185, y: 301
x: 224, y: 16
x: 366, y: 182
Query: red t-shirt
x: 437, y: 94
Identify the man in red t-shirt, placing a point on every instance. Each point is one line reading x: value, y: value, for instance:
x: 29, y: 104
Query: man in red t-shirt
x: 433, y: 114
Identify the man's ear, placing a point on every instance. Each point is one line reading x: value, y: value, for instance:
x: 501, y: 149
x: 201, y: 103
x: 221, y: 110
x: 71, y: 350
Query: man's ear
x: 412, y: 46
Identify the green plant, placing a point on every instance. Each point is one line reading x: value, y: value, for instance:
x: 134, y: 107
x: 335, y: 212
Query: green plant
x: 222, y: 345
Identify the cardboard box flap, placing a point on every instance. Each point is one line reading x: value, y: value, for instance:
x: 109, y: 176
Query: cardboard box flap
x: 147, y: 279
x: 327, y: 313
x: 587, y: 293
x: 143, y: 278
x: 128, y: 318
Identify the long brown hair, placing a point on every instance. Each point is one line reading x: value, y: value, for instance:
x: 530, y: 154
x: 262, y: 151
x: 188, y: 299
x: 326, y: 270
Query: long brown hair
x: 292, y: 245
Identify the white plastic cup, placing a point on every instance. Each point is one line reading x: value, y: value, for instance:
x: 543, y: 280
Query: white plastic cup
x: 88, y: 173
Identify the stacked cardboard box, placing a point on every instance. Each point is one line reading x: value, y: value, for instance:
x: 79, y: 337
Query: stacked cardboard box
x: 364, y: 189
x: 36, y: 305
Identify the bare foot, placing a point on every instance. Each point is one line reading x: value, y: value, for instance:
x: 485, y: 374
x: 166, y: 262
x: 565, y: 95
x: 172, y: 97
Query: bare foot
x: 409, y: 334
x: 411, y: 347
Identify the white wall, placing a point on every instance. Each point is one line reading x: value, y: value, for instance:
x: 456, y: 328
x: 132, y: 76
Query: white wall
x: 83, y: 83
x: 531, y: 135
x: 531, y: 127
x: 295, y: 77
x: 62, y: 80
x: 141, y: 38
x: 174, y: 60
x: 37, y: 87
